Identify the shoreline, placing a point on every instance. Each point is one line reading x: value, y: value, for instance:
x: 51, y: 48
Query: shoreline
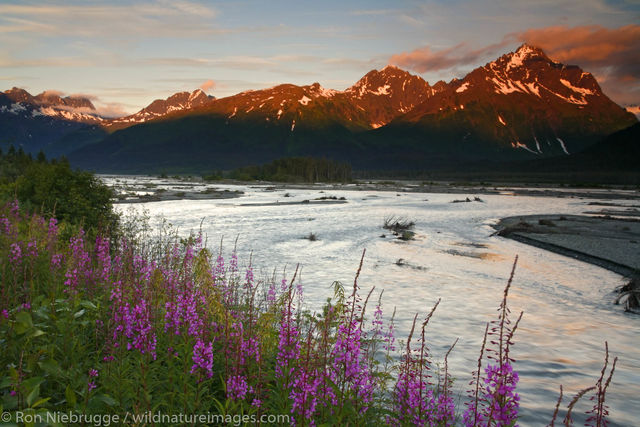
x: 196, y: 189
x: 607, y: 242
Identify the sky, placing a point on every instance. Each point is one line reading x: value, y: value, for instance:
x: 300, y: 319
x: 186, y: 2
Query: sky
x: 124, y: 54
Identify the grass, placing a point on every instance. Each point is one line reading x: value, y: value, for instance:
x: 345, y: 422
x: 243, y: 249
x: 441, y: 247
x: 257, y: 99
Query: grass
x: 400, y: 227
x: 397, y: 224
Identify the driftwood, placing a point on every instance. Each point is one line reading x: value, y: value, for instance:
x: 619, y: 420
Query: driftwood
x: 629, y: 296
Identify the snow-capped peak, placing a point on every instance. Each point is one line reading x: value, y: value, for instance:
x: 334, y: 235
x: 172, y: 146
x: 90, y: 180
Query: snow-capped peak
x: 196, y: 93
x: 390, y: 67
x: 523, y: 53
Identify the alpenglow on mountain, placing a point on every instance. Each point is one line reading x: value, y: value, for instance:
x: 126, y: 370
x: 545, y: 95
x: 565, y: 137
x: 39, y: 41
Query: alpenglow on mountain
x: 523, y: 105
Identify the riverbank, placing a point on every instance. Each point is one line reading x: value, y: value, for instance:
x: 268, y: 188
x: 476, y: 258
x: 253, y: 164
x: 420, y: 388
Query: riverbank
x: 609, y: 242
x: 141, y: 189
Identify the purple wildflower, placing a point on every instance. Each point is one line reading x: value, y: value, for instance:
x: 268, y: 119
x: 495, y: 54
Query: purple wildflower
x: 32, y: 249
x: 234, y: 262
x: 104, y: 258
x: 56, y: 261
x: 202, y: 358
x: 14, y: 207
x: 15, y: 254
x: 5, y: 225
x: 53, y: 228
x: 237, y: 387
x: 138, y: 328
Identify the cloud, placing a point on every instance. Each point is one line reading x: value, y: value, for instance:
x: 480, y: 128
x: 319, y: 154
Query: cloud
x: 104, y: 109
x: 84, y: 96
x: 152, y: 18
x: 112, y: 110
x: 208, y: 85
x: 591, y: 46
x: 372, y: 12
x: 52, y: 93
x: 425, y: 59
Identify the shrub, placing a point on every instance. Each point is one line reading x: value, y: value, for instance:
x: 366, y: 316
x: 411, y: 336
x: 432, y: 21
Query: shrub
x: 397, y: 224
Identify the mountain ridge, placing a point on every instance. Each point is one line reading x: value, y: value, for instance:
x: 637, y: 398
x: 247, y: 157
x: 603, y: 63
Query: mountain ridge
x: 521, y: 105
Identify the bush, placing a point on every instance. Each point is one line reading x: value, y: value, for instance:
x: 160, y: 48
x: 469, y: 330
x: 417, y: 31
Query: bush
x: 54, y: 189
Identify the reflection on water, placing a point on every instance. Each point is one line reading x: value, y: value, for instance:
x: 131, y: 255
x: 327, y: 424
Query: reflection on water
x: 567, y: 304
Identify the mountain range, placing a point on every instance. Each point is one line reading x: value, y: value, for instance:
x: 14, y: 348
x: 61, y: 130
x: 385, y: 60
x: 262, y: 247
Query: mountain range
x: 521, y: 106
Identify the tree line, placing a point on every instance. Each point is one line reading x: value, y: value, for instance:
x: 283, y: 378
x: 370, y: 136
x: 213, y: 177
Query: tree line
x: 296, y: 169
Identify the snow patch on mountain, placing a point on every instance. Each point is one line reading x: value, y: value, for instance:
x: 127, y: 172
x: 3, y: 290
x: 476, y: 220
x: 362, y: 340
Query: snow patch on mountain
x: 15, y: 108
x: 504, y: 87
x: 518, y: 144
x: 319, y: 91
x: 518, y: 57
x: 570, y: 99
x: 304, y: 100
x: 634, y: 109
x: 382, y: 90
x: 533, y: 89
x: 195, y: 94
x: 564, y: 148
x: 580, y: 90
x: 463, y: 87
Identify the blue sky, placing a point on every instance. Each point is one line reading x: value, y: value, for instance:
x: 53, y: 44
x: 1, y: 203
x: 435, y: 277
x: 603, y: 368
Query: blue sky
x: 127, y: 53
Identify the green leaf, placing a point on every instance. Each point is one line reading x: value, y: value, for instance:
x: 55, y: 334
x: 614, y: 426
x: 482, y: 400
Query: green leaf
x: 23, y: 322
x: 71, y: 396
x: 6, y: 382
x: 25, y: 318
x: 50, y: 366
x: 79, y: 313
x: 33, y: 395
x: 106, y: 399
x: 40, y: 402
x: 88, y: 304
x: 36, y: 333
x: 31, y: 383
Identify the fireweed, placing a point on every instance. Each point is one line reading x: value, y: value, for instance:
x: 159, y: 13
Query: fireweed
x: 140, y: 323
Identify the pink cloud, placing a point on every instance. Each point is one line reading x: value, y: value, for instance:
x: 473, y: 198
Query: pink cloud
x: 424, y: 59
x: 208, y: 85
x: 112, y: 110
x: 51, y: 93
